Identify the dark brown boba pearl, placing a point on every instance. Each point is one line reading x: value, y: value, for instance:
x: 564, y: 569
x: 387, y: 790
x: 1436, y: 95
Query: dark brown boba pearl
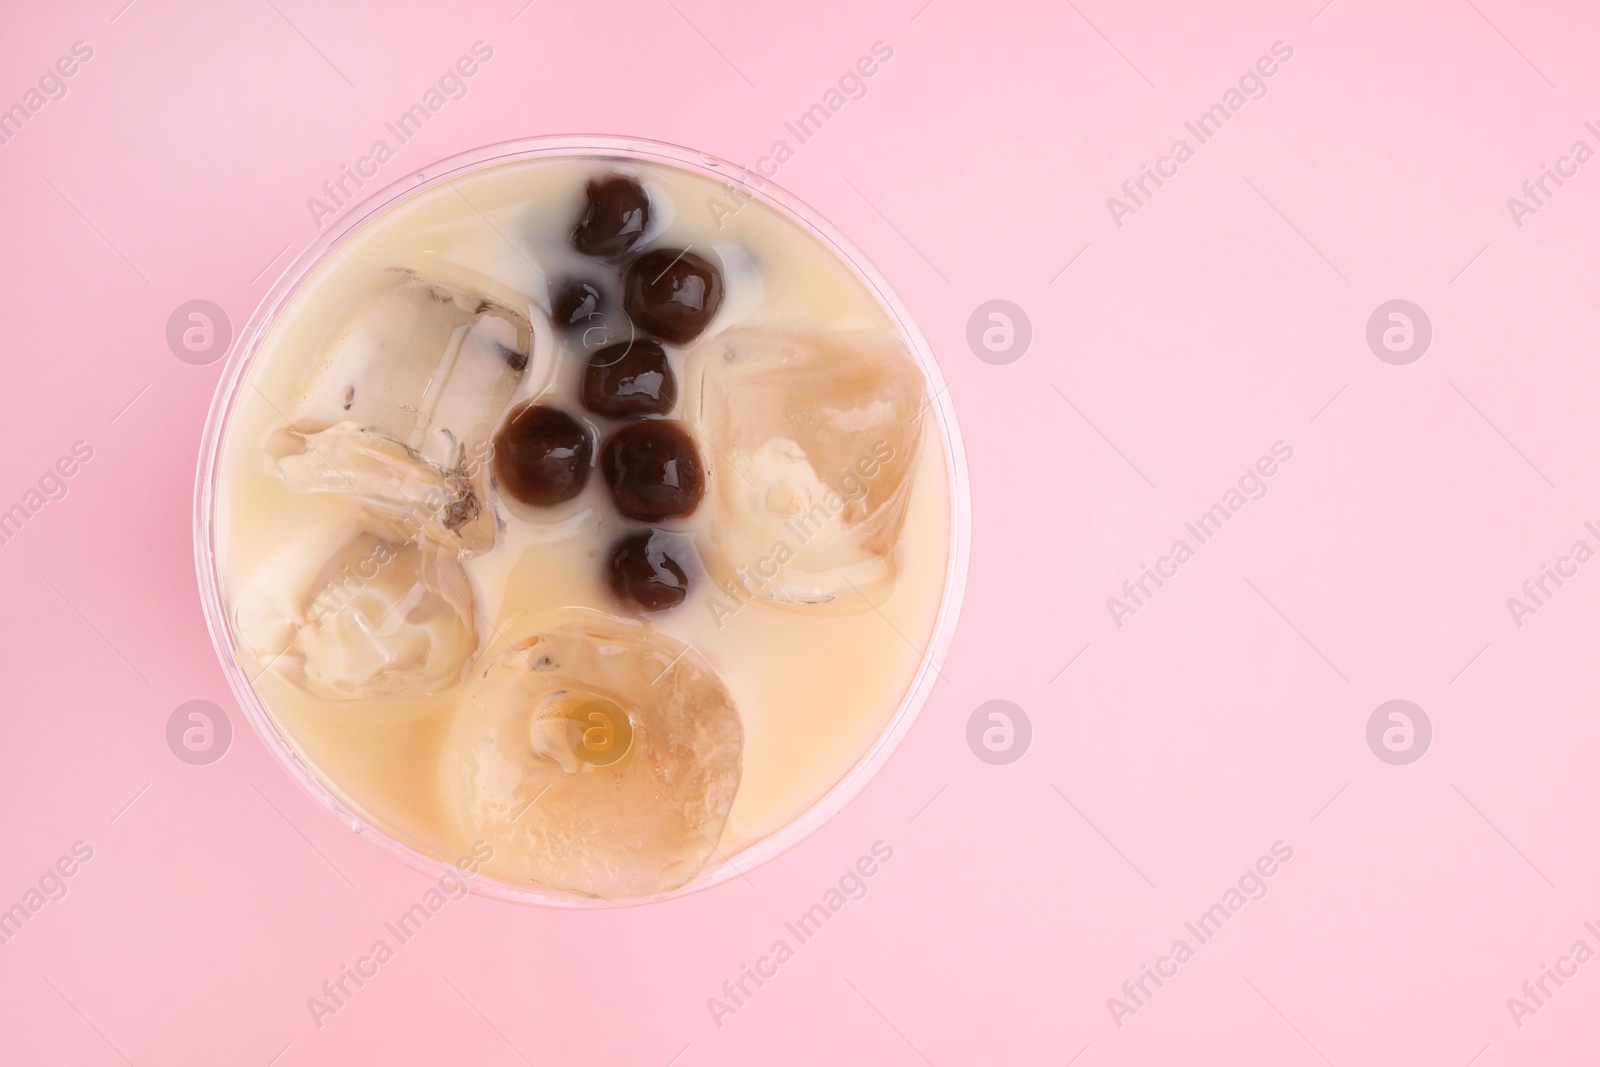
x: 653, y: 470
x: 614, y: 218
x: 671, y: 294
x: 542, y: 456
x: 631, y: 378
x: 645, y: 572
x: 575, y: 303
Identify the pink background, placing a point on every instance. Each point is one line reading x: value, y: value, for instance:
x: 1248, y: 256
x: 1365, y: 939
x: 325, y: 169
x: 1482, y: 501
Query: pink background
x: 1223, y: 717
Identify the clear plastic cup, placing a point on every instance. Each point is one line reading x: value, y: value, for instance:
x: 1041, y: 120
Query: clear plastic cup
x: 721, y: 868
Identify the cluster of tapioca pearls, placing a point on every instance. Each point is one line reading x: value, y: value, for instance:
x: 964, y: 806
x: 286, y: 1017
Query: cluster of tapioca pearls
x: 651, y: 466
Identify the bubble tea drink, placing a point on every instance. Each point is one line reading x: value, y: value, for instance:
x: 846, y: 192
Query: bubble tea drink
x: 580, y: 514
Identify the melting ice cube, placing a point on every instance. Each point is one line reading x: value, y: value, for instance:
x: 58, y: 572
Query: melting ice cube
x: 379, y: 619
x: 393, y: 483
x: 817, y: 434
x: 430, y: 366
x: 599, y: 758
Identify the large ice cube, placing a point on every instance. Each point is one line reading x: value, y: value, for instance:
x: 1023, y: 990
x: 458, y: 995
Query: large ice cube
x: 817, y: 437
x: 599, y: 758
x: 430, y: 365
x: 379, y: 619
x: 393, y: 484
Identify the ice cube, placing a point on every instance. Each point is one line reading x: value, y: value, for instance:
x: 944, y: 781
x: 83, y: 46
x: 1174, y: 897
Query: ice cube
x: 431, y: 365
x: 379, y: 619
x: 393, y: 484
x: 817, y: 436
x: 598, y: 758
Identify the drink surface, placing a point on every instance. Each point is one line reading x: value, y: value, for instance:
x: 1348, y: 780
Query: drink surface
x: 815, y: 661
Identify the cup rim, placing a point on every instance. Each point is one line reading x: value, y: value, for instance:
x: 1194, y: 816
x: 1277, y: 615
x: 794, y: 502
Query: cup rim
x: 288, y: 285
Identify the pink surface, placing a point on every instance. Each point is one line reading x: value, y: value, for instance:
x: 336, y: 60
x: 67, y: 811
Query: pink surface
x: 1168, y: 755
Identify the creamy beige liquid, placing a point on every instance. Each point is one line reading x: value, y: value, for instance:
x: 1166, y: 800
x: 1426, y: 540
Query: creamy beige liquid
x: 814, y: 691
